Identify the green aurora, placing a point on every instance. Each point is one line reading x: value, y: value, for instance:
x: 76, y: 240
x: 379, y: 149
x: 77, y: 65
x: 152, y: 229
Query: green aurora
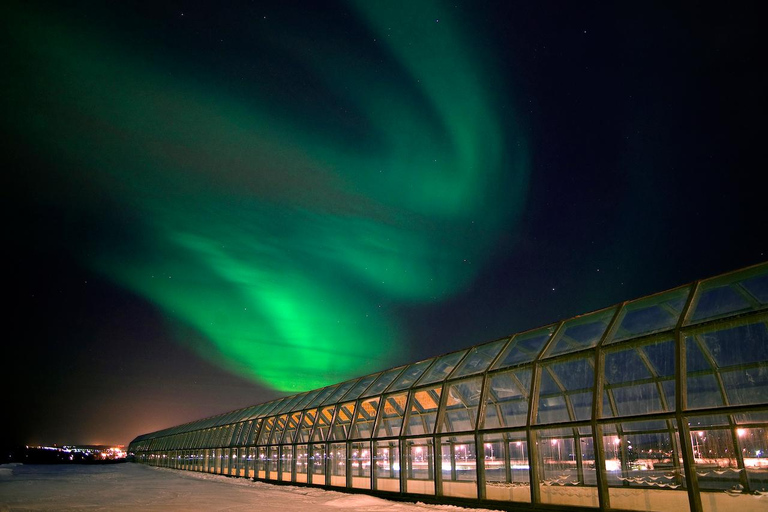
x: 281, y: 237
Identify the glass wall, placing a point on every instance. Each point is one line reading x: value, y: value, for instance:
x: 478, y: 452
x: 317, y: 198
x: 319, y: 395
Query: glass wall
x: 655, y: 404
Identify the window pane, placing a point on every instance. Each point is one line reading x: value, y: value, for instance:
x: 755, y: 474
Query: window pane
x: 337, y: 463
x: 387, y: 460
x: 323, y: 423
x: 459, y: 466
x: 654, y: 314
x: 479, y: 359
x: 730, y: 359
x: 339, y: 392
x: 360, y: 465
x: 291, y: 427
x: 266, y: 430
x: 643, y: 466
x: 734, y: 293
x: 366, y: 415
x: 419, y: 466
x: 753, y: 443
x: 410, y: 375
x: 307, y: 422
x: 567, y: 468
x: 461, y: 406
x: 318, y: 462
x: 565, y: 392
x: 524, y: 347
x: 506, y: 467
x: 423, y: 414
x: 507, y: 400
x: 302, y: 462
x: 382, y: 382
x: 342, y: 422
x: 442, y: 367
x: 581, y: 332
x: 391, y: 416
x: 362, y: 385
x: 633, y: 382
x: 277, y: 430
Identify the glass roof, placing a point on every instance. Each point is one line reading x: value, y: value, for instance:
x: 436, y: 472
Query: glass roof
x: 581, y: 332
x: 650, y: 315
x: 724, y: 336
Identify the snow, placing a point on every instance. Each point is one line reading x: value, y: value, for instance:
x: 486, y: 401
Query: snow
x: 124, y: 487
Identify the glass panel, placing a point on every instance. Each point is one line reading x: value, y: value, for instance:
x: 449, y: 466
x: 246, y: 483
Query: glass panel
x: 322, y: 395
x: 391, y: 416
x: 301, y: 404
x: 323, y: 423
x: 382, y: 382
x: 731, y: 359
x: 410, y: 375
x: 461, y: 406
x: 302, y: 462
x: 337, y: 463
x: 581, y: 332
x: 739, y: 292
x: 567, y: 468
x: 506, y: 467
x: 423, y: 414
x: 419, y: 466
x: 366, y: 415
x: 507, y: 400
x: 277, y: 430
x: 525, y: 347
x: 307, y: 422
x: 290, y: 429
x: 254, y: 434
x: 289, y: 403
x: 442, y: 368
x: 343, y: 421
x: 753, y: 443
x: 479, y: 359
x: 639, y: 379
x: 273, y: 469
x: 713, y: 452
x: 360, y: 465
x: 459, y: 466
x: 237, y: 433
x: 565, y: 392
x: 318, y: 462
x: 643, y: 468
x: 387, y: 462
x: 339, y: 392
x: 286, y: 463
x: 362, y: 385
x: 266, y: 430
x: 650, y: 315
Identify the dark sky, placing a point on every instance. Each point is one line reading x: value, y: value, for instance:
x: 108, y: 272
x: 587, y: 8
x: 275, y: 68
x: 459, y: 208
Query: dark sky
x: 210, y: 207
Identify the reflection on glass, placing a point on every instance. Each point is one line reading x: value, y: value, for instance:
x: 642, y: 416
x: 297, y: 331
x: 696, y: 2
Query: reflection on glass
x: 419, y: 466
x: 387, y: 459
x: 567, y: 467
x: 459, y: 466
x: 506, y: 467
x: 360, y: 465
x: 461, y: 405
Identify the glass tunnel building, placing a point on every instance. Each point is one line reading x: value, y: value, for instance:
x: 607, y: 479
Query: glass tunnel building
x: 659, y: 403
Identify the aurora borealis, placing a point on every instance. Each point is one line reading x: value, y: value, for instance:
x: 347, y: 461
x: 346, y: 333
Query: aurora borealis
x: 385, y: 211
x: 230, y: 203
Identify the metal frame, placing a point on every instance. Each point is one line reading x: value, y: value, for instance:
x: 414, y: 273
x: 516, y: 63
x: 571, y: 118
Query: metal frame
x: 229, y: 443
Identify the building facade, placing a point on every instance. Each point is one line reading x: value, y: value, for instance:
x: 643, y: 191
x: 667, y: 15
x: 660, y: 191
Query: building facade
x: 655, y: 404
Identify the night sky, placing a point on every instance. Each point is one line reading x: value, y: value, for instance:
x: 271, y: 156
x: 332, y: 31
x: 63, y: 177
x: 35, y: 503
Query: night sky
x: 213, y: 206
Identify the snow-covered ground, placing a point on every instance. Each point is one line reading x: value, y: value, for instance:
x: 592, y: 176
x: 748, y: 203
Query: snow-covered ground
x: 138, y: 487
